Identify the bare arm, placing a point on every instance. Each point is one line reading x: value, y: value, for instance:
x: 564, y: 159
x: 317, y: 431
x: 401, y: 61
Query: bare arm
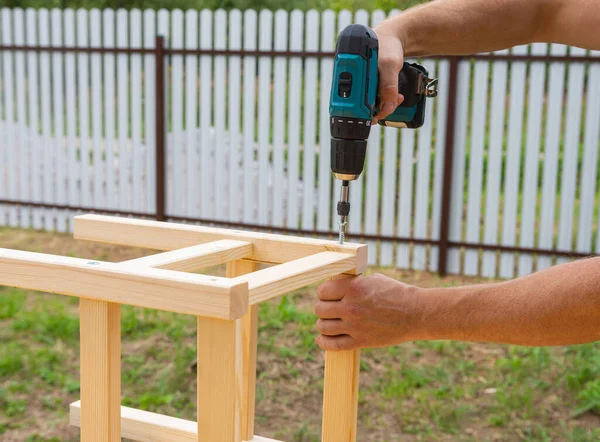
x: 468, y: 26
x: 557, y: 306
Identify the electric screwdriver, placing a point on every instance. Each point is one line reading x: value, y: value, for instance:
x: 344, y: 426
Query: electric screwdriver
x: 354, y: 102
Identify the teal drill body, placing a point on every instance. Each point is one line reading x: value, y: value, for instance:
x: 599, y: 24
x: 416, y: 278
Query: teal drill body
x: 361, y: 103
x: 354, y: 102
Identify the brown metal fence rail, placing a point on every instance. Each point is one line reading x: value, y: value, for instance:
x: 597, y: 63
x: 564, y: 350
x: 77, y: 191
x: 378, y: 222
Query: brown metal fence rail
x: 160, y: 52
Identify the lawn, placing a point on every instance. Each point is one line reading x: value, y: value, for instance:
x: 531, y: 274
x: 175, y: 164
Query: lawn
x: 414, y: 392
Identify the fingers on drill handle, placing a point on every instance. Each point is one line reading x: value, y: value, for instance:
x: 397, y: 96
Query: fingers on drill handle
x: 388, y: 107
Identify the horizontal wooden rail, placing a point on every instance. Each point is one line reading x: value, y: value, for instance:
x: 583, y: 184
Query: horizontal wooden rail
x: 283, y: 278
x: 144, y: 426
x: 169, y: 290
x: 198, y: 257
x: 268, y: 248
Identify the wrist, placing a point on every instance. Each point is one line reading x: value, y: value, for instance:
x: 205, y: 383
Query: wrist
x: 439, y: 317
x: 391, y: 28
x: 419, y: 313
x: 398, y: 29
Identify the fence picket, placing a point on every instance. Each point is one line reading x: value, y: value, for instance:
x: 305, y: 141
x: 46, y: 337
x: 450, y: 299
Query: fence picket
x: 96, y: 90
x: 22, y: 146
x: 149, y: 203
x: 135, y: 17
x: 513, y: 162
x: 571, y: 153
x: 589, y: 171
x: 233, y: 108
x: 123, y: 114
x: 177, y: 149
x: 10, y: 121
x: 405, y: 199
x: 388, y: 202
x: 264, y: 114
x: 458, y: 179
x: 421, y: 226
x: 45, y: 92
x: 309, y: 121
x: 249, y: 71
x: 33, y: 155
x: 163, y: 29
x: 478, y: 126
x: 58, y: 119
x: 207, y: 147
x: 552, y: 145
x: 279, y: 94
x: 74, y: 172
x: 219, y: 109
x: 494, y: 164
x: 108, y: 28
x: 441, y: 109
x: 84, y: 114
x: 372, y: 189
x: 325, y: 74
x: 192, y: 160
x: 294, y: 101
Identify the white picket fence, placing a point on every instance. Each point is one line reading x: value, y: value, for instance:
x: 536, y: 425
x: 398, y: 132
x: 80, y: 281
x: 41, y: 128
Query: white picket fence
x: 248, y: 136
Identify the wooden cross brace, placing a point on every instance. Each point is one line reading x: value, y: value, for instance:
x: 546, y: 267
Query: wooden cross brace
x: 227, y: 312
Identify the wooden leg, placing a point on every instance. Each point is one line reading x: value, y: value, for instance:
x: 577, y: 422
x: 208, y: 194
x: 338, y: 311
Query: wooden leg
x: 219, y: 395
x: 340, y: 397
x: 248, y: 329
x: 340, y: 394
x: 100, y: 371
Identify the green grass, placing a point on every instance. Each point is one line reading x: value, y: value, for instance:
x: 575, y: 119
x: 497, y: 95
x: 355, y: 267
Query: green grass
x: 424, y: 391
x: 431, y: 390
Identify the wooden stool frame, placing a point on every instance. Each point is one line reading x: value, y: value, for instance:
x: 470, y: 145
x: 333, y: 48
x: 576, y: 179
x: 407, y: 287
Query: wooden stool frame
x: 227, y: 312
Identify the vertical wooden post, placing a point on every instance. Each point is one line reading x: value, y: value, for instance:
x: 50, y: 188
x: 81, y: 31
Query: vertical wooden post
x: 448, y: 167
x: 340, y: 394
x: 160, y: 127
x: 247, y: 329
x: 219, y: 367
x: 100, y: 381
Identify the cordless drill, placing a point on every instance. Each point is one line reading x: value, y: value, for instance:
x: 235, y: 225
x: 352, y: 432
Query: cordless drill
x: 354, y: 103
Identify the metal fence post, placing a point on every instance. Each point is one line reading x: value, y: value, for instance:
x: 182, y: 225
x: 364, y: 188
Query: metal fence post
x: 160, y: 127
x: 448, y: 160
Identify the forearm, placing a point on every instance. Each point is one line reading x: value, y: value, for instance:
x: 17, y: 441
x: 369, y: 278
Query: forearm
x: 470, y: 26
x: 557, y: 306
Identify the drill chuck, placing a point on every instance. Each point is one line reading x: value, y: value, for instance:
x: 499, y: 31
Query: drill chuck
x: 348, y: 158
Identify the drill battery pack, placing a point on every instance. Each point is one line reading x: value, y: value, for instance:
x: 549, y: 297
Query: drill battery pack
x: 415, y: 85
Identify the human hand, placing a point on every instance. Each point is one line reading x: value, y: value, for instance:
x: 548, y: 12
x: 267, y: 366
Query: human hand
x: 373, y: 311
x: 391, y: 60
